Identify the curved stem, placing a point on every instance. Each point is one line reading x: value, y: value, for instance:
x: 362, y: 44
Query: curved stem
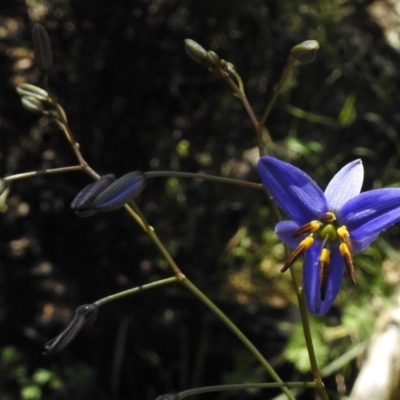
x: 216, y: 310
x: 288, y: 69
x: 243, y: 386
x: 120, y: 295
x: 242, y: 97
x: 178, y: 174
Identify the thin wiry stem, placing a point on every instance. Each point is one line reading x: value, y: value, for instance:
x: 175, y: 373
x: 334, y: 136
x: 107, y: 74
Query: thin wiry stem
x: 243, y: 386
x: 220, y: 179
x: 31, y: 174
x: 129, y: 292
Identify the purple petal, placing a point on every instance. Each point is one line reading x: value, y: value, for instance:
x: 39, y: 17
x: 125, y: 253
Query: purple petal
x: 311, y: 279
x: 361, y: 242
x: 366, y: 215
x: 293, y: 190
x: 285, y: 231
x: 345, y: 185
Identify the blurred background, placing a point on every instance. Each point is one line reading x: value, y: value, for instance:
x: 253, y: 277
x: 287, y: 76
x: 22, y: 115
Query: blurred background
x: 135, y: 101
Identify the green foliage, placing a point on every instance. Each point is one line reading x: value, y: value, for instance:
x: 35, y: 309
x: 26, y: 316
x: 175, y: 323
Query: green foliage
x: 296, y: 351
x: 14, y: 372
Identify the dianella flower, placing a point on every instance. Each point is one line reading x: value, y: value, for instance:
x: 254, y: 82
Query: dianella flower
x: 327, y: 227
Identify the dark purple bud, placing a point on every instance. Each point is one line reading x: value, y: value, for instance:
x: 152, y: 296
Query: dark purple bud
x: 84, y: 316
x: 42, y: 49
x: 120, y: 192
x: 83, y: 201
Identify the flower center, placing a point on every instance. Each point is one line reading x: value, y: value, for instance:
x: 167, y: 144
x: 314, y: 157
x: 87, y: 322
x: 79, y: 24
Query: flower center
x: 326, y: 230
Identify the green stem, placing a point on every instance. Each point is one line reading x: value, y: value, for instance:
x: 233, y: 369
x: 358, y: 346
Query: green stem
x: 201, y: 296
x: 237, y: 332
x: 242, y: 97
x: 137, y: 289
x: 309, y: 343
x: 178, y: 174
x: 31, y: 174
x: 243, y: 386
x: 288, y: 69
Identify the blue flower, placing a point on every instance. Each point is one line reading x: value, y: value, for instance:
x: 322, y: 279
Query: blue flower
x: 328, y: 227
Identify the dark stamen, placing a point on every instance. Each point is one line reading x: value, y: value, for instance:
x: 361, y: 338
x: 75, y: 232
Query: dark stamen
x: 348, y: 260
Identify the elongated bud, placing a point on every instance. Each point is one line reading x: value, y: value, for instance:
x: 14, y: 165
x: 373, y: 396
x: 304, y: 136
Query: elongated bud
x: 28, y: 90
x: 42, y: 48
x: 32, y: 104
x: 120, y: 192
x: 305, y: 52
x: 83, y: 201
x: 85, y: 316
x: 195, y: 51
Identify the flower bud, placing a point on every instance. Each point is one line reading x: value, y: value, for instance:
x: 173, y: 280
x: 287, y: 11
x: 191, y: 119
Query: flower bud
x: 195, y: 51
x: 85, y: 316
x: 213, y: 60
x: 42, y: 48
x: 120, y: 192
x: 32, y: 104
x: 305, y: 52
x: 83, y: 201
x: 28, y: 90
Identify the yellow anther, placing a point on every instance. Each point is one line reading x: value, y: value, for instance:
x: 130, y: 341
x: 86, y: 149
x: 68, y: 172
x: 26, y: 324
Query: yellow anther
x: 328, y: 217
x: 325, y: 256
x: 324, y: 271
x: 344, y: 235
x: 348, y: 260
x: 301, y: 248
x: 310, y: 227
x: 344, y: 250
x: 307, y: 242
x: 343, y: 232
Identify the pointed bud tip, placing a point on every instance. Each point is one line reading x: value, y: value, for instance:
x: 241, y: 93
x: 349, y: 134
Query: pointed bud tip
x: 32, y: 104
x: 83, y: 201
x: 28, y: 90
x: 84, y: 316
x: 305, y: 52
x: 195, y: 51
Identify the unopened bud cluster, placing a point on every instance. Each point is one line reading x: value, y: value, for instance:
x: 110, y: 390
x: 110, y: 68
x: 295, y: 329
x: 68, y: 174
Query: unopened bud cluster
x: 202, y: 56
x: 108, y: 194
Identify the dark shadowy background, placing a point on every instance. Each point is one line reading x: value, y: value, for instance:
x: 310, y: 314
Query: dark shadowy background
x: 135, y: 101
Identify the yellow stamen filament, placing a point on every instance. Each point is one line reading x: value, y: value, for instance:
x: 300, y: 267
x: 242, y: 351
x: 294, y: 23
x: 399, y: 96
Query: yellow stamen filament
x: 301, y: 248
x: 344, y: 235
x: 324, y: 271
x: 310, y: 227
x: 348, y: 260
